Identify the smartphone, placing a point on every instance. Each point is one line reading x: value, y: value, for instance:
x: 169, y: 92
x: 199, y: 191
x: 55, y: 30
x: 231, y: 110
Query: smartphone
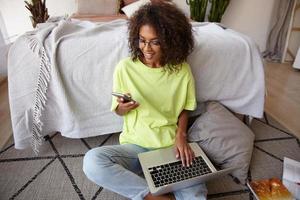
x: 126, y: 98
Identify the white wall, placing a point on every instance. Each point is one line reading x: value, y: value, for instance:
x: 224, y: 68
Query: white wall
x: 2, y: 41
x: 16, y: 16
x: 183, y: 6
x: 3, y: 32
x: 13, y: 15
x: 253, y: 18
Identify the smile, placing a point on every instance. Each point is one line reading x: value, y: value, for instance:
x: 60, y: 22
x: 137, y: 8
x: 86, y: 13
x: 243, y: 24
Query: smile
x: 148, y: 55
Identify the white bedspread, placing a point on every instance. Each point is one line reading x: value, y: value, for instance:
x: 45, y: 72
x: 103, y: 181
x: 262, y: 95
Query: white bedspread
x: 75, y: 98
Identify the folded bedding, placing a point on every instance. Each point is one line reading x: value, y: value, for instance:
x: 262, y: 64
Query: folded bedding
x: 98, y: 18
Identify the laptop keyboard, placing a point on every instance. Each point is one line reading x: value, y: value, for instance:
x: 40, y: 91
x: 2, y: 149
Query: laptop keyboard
x: 175, y: 172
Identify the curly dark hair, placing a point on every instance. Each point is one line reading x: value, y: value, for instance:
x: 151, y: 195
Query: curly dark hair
x: 173, y: 30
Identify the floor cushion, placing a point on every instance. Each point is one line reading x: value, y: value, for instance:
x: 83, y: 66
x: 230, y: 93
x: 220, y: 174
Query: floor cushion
x: 224, y: 138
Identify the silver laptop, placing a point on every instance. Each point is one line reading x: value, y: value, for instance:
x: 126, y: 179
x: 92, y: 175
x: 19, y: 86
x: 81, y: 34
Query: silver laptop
x: 164, y: 172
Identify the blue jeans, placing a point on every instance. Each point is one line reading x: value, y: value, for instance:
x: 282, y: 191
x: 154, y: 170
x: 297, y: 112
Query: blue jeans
x: 117, y: 168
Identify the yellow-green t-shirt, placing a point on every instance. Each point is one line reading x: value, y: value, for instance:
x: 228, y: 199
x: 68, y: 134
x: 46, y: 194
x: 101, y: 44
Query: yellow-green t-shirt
x: 162, y: 97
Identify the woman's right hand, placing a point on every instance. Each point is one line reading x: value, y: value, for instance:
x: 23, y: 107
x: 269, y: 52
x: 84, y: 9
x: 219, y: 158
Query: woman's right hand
x: 124, y: 107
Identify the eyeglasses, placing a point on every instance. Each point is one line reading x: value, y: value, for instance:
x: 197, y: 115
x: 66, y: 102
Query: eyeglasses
x: 152, y: 43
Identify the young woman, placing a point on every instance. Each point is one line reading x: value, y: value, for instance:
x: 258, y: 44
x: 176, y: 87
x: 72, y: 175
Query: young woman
x: 159, y: 80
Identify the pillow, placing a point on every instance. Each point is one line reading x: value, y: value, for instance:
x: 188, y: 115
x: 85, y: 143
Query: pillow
x: 131, y: 8
x: 98, y: 7
x: 224, y: 138
x: 127, y: 2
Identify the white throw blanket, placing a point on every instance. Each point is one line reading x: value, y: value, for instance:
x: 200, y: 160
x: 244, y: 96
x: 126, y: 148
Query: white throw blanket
x: 69, y: 89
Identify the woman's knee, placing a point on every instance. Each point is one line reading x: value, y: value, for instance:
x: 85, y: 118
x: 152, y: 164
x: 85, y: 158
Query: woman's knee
x: 94, y: 162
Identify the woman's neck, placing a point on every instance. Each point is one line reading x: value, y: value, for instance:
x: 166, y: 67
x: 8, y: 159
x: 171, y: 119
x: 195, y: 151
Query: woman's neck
x: 151, y: 64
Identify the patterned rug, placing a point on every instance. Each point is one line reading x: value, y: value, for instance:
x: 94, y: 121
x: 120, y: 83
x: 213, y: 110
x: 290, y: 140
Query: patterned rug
x: 57, y: 172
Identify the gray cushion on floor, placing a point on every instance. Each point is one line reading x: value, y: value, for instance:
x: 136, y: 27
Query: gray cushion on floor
x: 224, y: 138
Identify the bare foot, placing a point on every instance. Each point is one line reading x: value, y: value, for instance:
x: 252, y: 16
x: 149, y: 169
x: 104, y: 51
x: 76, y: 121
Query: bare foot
x: 169, y: 196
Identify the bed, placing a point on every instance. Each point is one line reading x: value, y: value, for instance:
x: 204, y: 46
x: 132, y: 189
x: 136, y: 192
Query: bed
x: 60, y: 77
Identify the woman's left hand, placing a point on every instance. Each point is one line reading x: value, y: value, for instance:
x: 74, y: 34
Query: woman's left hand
x: 183, y: 150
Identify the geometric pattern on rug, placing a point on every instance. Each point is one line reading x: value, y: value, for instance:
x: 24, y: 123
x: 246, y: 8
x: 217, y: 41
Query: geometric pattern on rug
x: 56, y: 173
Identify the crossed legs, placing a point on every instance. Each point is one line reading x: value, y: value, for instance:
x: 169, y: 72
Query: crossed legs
x: 117, y: 168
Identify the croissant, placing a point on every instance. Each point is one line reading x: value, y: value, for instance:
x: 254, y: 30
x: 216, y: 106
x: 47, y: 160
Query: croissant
x: 271, y: 189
